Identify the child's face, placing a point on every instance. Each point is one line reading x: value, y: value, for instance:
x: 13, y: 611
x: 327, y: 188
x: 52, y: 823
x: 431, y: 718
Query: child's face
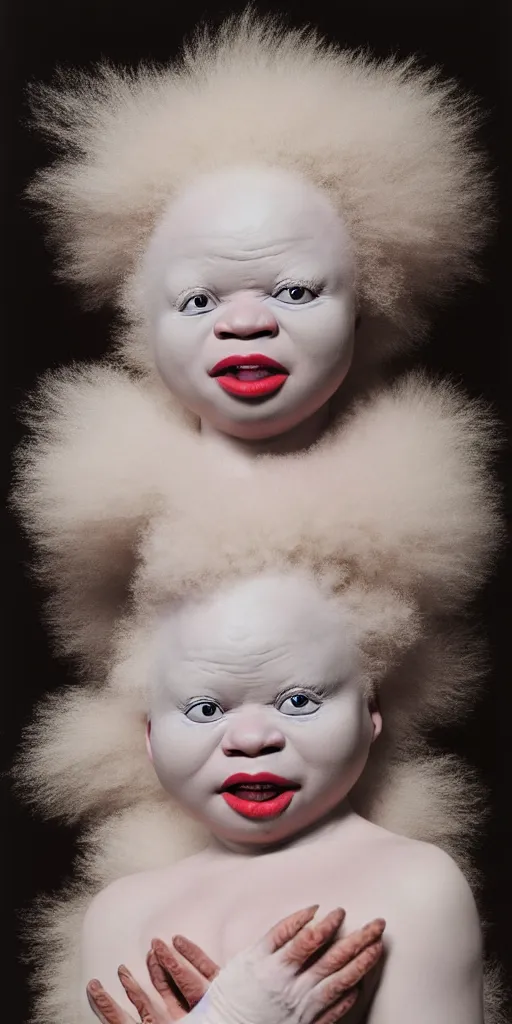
x: 263, y: 678
x: 251, y: 263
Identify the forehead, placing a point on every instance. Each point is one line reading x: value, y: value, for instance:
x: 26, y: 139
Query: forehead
x: 245, y: 198
x: 250, y: 212
x: 256, y: 638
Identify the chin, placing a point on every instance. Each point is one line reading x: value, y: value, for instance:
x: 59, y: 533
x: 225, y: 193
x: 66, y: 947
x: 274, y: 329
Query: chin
x: 255, y: 838
x: 252, y: 833
x: 252, y: 427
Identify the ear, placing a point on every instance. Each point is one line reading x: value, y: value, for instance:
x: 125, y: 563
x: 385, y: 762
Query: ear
x: 148, y: 740
x: 376, y: 718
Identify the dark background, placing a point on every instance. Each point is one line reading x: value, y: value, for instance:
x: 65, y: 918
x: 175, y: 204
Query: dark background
x: 44, y: 326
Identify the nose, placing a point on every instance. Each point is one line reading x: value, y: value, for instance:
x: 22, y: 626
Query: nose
x: 246, y: 317
x: 250, y: 734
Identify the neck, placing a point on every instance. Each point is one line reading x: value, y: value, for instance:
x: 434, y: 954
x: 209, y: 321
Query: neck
x: 298, y: 439
x: 337, y: 821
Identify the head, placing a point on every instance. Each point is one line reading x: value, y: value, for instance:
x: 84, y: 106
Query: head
x: 392, y: 145
x: 263, y: 677
x: 248, y: 285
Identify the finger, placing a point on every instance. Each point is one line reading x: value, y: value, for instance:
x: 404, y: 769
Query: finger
x: 175, y: 1007
x: 140, y: 999
x: 312, y: 938
x: 105, y: 1008
x: 286, y: 929
x: 191, y: 983
x: 346, y: 949
x: 195, y: 956
x: 338, y: 1010
x: 338, y: 985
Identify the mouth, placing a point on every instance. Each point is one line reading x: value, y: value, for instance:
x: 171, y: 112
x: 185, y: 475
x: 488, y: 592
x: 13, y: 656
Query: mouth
x: 249, y: 376
x: 258, y: 796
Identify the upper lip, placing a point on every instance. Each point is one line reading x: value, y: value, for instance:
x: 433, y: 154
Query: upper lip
x: 252, y: 359
x: 242, y: 777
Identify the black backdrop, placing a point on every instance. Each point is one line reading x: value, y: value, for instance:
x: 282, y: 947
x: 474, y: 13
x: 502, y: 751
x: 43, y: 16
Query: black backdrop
x: 44, y: 327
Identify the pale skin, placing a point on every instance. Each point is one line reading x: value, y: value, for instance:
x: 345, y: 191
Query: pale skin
x: 265, y: 677
x: 271, y: 265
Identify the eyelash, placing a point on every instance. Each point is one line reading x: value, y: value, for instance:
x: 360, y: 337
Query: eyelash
x: 188, y: 294
x: 317, y: 696
x: 317, y: 287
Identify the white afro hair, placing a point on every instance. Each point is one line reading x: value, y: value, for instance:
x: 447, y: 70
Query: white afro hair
x: 394, y: 147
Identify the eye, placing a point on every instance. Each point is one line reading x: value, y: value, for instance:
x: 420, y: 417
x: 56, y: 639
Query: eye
x: 295, y: 294
x: 201, y: 302
x: 299, y: 704
x: 204, y: 711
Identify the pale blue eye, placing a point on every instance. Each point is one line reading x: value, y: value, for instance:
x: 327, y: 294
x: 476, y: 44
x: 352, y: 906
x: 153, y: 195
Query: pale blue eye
x: 299, y: 704
x: 201, y: 302
x: 204, y: 711
x: 295, y: 294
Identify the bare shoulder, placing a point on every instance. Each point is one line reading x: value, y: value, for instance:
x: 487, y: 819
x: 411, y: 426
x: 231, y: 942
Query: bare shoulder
x: 119, y: 903
x: 433, y: 967
x: 432, y: 899
x: 409, y: 879
x: 430, y: 873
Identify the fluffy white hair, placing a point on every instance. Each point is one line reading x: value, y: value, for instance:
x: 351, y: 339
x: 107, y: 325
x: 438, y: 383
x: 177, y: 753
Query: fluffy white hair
x: 393, y: 146
x: 127, y: 511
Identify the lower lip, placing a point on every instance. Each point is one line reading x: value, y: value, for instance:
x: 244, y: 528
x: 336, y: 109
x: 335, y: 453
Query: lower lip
x: 257, y: 808
x: 252, y: 388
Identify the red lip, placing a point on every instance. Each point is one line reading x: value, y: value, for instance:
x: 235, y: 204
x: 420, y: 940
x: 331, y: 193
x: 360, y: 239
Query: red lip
x: 256, y: 809
x: 227, y: 373
x: 250, y: 359
x: 241, y: 777
x: 269, y: 807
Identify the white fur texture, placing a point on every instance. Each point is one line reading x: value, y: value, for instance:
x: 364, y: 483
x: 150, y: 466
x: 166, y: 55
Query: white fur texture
x: 394, y: 147
x: 127, y: 509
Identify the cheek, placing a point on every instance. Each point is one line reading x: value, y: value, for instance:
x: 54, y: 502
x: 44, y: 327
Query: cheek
x: 337, y: 741
x: 176, y: 341
x: 180, y: 749
x: 324, y: 336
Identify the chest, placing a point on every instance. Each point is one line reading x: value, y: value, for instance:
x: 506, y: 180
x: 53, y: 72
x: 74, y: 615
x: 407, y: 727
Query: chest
x: 225, y: 908
x: 225, y: 911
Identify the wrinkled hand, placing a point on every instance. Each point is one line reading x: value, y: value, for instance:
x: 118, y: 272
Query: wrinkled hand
x: 180, y: 981
x: 299, y: 973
